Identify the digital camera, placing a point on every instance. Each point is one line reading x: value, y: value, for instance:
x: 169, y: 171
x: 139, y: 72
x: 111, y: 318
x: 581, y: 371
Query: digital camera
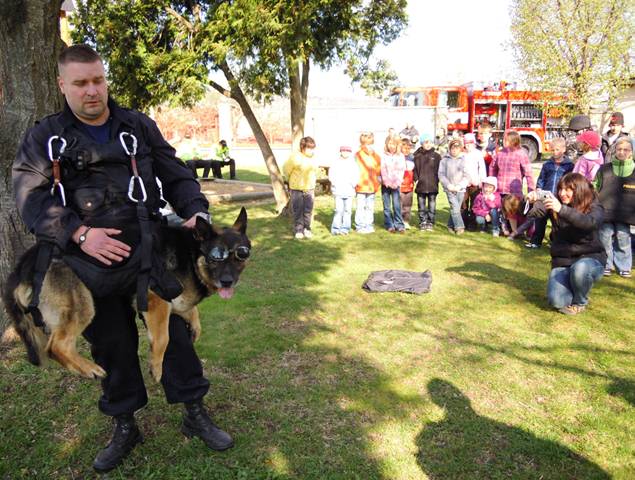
x: 543, y: 194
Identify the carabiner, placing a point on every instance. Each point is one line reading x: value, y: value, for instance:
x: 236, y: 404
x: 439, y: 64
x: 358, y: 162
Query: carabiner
x: 50, y: 144
x: 131, y: 190
x: 125, y: 147
x: 62, y: 193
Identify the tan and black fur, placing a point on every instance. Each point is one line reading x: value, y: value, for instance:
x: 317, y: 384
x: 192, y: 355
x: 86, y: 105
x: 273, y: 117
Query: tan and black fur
x: 67, y: 306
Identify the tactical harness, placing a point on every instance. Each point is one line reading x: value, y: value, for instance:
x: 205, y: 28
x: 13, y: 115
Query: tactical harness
x: 83, y: 164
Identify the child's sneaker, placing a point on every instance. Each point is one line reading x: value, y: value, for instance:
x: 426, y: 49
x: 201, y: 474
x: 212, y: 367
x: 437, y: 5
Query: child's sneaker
x: 607, y: 272
x: 307, y: 233
x: 625, y: 274
x: 572, y: 309
x: 531, y: 245
x: 460, y: 231
x: 429, y: 227
x: 299, y: 235
x: 495, y: 233
x: 406, y: 225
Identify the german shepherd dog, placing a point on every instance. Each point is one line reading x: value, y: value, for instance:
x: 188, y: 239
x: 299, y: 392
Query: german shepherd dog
x: 204, y: 260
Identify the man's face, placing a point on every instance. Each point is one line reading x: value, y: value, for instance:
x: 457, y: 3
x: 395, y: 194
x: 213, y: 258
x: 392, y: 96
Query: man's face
x: 86, y: 91
x: 615, y: 128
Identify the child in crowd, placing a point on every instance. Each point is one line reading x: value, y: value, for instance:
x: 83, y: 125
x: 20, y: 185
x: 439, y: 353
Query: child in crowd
x: 454, y: 180
x: 476, y: 171
x: 486, y: 143
x: 486, y: 206
x: 511, y: 166
x: 344, y: 176
x: 369, y: 163
x: 407, y: 186
x: 591, y: 159
x: 393, y: 166
x: 550, y: 174
x: 514, y: 208
x: 301, y: 172
x: 426, y: 176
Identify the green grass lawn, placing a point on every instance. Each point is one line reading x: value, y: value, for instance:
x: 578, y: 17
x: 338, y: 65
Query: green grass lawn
x: 316, y: 379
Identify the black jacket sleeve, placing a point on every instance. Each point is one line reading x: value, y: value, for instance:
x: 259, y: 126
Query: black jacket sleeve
x: 43, y: 213
x: 584, y: 221
x: 180, y: 188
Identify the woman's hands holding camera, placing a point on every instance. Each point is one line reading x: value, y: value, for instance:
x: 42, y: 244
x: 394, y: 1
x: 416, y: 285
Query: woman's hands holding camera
x: 552, y: 203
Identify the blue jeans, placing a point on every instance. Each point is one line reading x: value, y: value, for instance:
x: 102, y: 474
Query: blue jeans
x: 571, y: 285
x: 364, y: 212
x: 342, y: 217
x: 427, y: 213
x: 618, y: 248
x: 392, y: 215
x: 482, y: 223
x: 455, y: 199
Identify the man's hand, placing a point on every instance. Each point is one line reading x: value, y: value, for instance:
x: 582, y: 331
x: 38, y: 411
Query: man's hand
x: 100, y: 245
x: 191, y: 223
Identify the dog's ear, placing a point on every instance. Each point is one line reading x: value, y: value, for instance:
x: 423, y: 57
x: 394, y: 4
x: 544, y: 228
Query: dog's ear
x: 241, y: 222
x: 203, y: 230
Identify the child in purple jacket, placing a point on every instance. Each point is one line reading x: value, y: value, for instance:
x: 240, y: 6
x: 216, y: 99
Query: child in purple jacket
x: 486, y: 206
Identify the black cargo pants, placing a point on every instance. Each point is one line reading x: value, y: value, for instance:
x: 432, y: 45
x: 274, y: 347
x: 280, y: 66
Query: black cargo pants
x: 114, y: 340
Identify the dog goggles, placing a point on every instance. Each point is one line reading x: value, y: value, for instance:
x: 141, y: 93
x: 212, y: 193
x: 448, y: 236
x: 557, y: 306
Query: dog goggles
x: 220, y: 254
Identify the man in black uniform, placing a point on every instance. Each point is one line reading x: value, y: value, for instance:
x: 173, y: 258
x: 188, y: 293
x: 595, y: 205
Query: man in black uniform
x: 85, y: 183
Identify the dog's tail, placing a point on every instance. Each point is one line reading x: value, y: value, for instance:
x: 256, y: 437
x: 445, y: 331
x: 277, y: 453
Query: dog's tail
x: 16, y: 296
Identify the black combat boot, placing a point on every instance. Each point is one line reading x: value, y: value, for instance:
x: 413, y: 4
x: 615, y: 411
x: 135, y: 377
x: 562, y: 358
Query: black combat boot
x: 196, y: 423
x: 124, y: 438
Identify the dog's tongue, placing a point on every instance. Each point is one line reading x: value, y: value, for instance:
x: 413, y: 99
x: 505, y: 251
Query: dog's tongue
x: 226, y: 293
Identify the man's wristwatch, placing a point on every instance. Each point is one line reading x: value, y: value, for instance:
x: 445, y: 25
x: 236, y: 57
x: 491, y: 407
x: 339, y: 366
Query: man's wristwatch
x: 82, y: 237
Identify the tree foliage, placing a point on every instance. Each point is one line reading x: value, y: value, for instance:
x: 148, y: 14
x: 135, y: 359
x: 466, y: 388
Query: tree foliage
x: 576, y: 46
x: 164, y: 50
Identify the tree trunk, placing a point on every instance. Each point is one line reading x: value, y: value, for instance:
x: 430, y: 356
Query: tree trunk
x: 299, y: 87
x: 277, y: 182
x: 29, y: 33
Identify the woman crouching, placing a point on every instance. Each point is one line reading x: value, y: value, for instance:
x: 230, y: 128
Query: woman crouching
x: 577, y: 255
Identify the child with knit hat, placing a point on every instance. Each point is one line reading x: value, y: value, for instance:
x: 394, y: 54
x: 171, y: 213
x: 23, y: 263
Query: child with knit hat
x: 344, y: 177
x: 486, y: 206
x: 591, y: 159
x: 426, y: 177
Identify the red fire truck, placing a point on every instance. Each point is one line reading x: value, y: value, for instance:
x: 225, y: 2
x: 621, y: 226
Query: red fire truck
x: 501, y: 104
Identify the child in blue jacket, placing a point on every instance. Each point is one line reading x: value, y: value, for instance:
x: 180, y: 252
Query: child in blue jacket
x: 550, y: 174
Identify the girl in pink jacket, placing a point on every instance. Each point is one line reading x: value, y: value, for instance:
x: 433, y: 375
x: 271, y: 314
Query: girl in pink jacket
x: 591, y: 159
x: 487, y: 205
x: 393, y: 166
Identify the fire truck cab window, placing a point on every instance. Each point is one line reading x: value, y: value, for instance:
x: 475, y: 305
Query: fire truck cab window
x: 453, y: 99
x: 414, y: 99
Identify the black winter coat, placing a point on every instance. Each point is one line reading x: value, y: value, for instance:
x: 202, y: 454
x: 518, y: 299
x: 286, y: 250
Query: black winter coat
x: 426, y: 171
x: 575, y: 235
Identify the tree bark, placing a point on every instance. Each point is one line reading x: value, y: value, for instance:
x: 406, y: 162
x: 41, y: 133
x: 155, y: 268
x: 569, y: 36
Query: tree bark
x: 299, y: 87
x: 236, y: 93
x: 30, y: 35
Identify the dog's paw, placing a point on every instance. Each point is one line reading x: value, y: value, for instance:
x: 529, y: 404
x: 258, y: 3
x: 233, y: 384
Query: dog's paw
x: 156, y: 370
x: 195, y: 332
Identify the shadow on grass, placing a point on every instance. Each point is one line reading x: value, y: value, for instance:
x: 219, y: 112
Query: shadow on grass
x: 465, y: 445
x: 619, y: 387
x: 490, y: 272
